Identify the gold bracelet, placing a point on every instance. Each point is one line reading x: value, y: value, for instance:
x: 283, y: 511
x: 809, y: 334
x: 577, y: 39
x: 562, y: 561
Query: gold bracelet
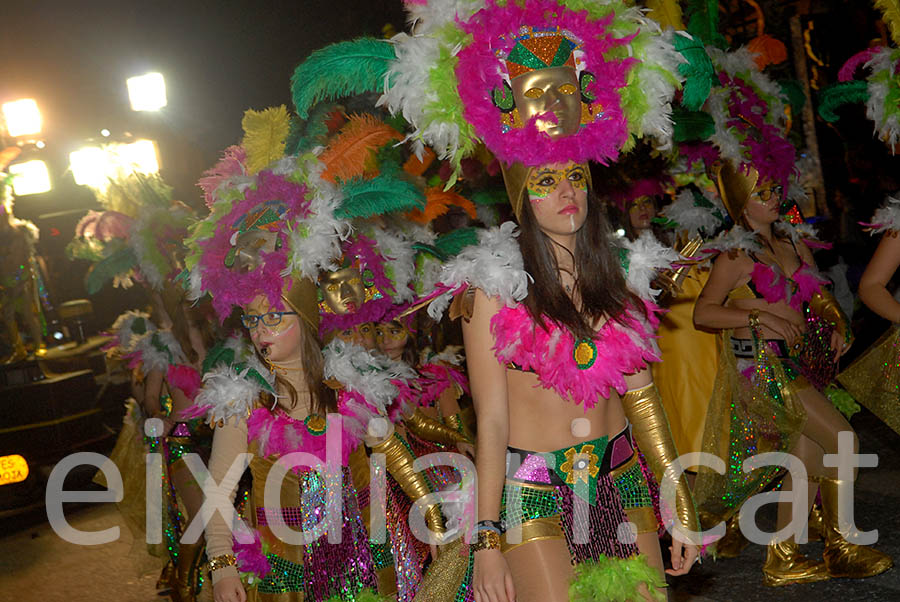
x: 220, y: 562
x: 487, y: 540
x: 753, y: 319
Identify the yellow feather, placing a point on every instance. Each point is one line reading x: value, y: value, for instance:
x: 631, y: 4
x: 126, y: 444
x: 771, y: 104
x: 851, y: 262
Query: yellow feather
x: 666, y: 12
x: 890, y: 10
x: 264, y: 135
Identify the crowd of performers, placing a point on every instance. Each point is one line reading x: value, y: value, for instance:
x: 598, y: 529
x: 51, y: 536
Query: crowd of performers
x: 361, y: 277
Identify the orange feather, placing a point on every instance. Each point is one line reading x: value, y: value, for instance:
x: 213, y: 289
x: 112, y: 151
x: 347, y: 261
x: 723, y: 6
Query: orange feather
x: 352, y: 151
x: 438, y: 202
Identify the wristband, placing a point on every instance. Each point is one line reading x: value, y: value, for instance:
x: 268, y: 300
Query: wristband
x: 489, y: 525
x: 753, y: 319
x: 220, y: 562
x: 487, y: 540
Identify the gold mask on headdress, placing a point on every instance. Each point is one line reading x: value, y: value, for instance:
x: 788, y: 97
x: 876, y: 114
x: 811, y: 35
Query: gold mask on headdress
x: 343, y: 291
x: 553, y: 90
x: 735, y: 187
x: 298, y: 293
x: 515, y: 177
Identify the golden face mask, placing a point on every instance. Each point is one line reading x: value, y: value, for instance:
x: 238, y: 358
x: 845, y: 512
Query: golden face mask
x: 552, y: 90
x: 542, y: 181
x: 342, y: 291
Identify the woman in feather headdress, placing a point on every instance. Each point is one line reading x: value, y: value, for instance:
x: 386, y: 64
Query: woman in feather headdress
x: 557, y: 344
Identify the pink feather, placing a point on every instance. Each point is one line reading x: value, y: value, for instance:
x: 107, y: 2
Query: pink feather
x: 251, y: 558
x: 231, y: 164
x: 849, y: 68
x: 185, y: 378
x: 624, y: 346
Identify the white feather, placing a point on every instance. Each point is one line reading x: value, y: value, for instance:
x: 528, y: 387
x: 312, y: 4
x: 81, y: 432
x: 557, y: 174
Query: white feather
x: 646, y: 256
x: 229, y: 393
x: 737, y: 238
x: 494, y: 265
x: 154, y: 358
x: 123, y: 328
x: 692, y: 218
x: 658, y: 78
x: 364, y: 372
x: 399, y: 257
x: 887, y: 217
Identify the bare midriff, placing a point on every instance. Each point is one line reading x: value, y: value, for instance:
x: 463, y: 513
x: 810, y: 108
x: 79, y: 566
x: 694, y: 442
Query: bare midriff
x: 780, y: 309
x: 540, y: 420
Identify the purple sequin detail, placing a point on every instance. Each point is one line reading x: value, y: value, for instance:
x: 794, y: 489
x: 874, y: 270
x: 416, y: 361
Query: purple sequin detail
x: 533, y: 470
x: 334, y: 569
x: 181, y: 430
x: 441, y: 477
x: 279, y: 516
x: 599, y: 534
x: 621, y: 451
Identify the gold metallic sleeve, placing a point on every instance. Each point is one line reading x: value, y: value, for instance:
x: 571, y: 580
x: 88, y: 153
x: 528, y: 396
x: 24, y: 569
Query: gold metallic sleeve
x: 399, y: 461
x: 644, y: 409
x: 825, y: 305
x: 428, y: 428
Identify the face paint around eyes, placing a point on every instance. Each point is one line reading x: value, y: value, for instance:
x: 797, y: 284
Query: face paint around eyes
x: 539, y: 182
x: 577, y: 177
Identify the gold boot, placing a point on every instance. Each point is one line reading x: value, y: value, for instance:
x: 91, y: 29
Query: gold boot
x: 815, y: 529
x: 845, y: 559
x: 167, y: 576
x: 733, y: 542
x: 184, y: 588
x: 785, y: 565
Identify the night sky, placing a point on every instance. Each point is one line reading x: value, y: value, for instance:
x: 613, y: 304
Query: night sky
x: 218, y: 58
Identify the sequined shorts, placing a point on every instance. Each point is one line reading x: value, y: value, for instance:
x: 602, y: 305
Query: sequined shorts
x: 603, y: 477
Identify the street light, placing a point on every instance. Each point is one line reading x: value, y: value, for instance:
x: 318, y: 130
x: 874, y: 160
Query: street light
x: 22, y: 117
x: 30, y: 177
x: 147, y: 92
x: 94, y: 166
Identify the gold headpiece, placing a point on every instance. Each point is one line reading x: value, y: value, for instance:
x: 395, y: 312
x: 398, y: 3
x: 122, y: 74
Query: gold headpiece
x: 735, y: 187
x: 515, y: 177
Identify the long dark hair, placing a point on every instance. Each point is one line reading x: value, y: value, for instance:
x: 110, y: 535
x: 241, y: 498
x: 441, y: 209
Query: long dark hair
x: 322, y: 397
x: 599, y: 280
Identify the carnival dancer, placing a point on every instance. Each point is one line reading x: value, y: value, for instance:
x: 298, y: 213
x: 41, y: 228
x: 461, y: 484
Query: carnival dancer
x: 873, y: 378
x: 261, y: 249
x: 785, y: 333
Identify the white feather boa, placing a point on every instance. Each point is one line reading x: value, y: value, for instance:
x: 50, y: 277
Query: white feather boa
x: 887, y: 217
x: 798, y: 232
x: 399, y: 260
x: 123, y: 329
x: 364, y: 372
x: 692, y: 218
x: 494, y: 265
x: 158, y: 349
x: 737, y: 238
x: 228, y: 392
x: 887, y: 122
x: 646, y: 256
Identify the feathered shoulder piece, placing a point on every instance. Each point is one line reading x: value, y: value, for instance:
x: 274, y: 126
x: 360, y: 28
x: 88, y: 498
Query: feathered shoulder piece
x: 233, y: 381
x: 642, y: 259
x: 127, y: 328
x: 374, y: 376
x: 494, y: 265
x: 799, y: 232
x: 156, y: 350
x: 695, y: 212
x: 735, y: 239
x: 886, y: 217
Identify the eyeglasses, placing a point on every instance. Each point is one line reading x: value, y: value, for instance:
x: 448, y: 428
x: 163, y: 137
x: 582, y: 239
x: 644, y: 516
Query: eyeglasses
x: 766, y: 194
x: 272, y: 318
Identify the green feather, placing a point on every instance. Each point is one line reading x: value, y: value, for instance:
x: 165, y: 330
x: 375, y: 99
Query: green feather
x: 340, y: 70
x: 843, y: 93
x: 691, y: 126
x: 309, y: 133
x: 378, y: 196
x: 421, y: 247
x: 703, y: 22
x: 108, y: 268
x: 842, y: 401
x: 793, y: 91
x: 365, y: 595
x: 455, y: 241
x: 495, y: 196
x: 615, y: 579
x: 699, y: 73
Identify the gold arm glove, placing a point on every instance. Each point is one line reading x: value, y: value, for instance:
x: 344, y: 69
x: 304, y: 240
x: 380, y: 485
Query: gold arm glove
x: 428, y: 428
x: 399, y: 461
x: 644, y: 409
x: 825, y: 305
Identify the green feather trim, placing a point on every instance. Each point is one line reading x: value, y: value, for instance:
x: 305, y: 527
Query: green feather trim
x: 108, y: 268
x: 340, y: 70
x: 432, y: 251
x: 455, y: 241
x: 703, y: 22
x: 496, y: 196
x: 309, y: 133
x: 615, y: 580
x: 692, y: 125
x: 793, y: 91
x: 840, y: 94
x: 378, y: 196
x: 699, y: 73
x: 842, y: 401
